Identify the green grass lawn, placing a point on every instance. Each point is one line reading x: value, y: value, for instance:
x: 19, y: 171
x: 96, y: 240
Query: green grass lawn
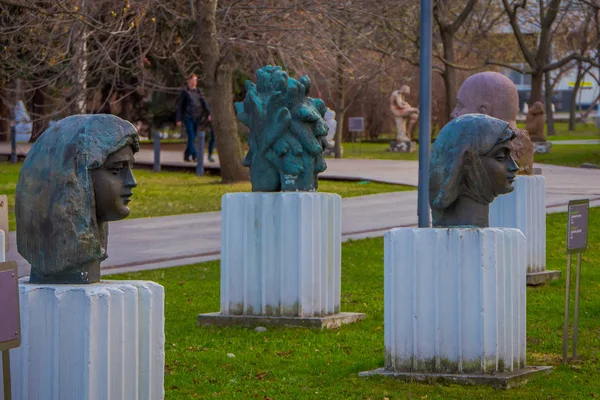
x: 572, y: 155
x: 376, y: 151
x: 171, y: 193
x: 312, y: 364
x: 569, y: 155
x: 582, y: 131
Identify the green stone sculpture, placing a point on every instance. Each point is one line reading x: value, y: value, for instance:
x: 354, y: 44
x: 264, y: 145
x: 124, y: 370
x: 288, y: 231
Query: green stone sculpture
x: 76, y: 178
x: 287, y: 132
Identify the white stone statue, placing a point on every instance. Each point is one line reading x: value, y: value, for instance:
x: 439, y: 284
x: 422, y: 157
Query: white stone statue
x: 23, y: 124
x: 406, y: 116
x: 332, y: 124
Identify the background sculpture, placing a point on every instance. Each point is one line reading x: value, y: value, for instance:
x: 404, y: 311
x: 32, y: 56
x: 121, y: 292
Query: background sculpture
x: 76, y: 177
x: 494, y: 94
x: 535, y: 121
x: 406, y: 116
x: 332, y: 126
x: 287, y: 132
x: 470, y: 166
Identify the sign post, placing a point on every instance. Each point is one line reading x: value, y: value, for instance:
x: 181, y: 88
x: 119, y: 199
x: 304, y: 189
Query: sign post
x: 4, y: 222
x: 577, y: 243
x: 356, y: 124
x: 10, y: 329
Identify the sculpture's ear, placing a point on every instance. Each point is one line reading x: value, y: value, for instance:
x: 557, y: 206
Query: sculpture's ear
x: 485, y: 108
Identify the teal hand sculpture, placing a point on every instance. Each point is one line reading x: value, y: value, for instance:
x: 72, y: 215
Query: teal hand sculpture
x: 287, y: 132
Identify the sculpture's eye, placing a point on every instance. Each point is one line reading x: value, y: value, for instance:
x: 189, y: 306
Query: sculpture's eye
x: 501, y: 155
x: 116, y: 169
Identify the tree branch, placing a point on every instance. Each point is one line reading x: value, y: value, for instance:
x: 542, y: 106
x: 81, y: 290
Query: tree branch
x: 567, y: 59
x: 463, y: 16
x: 512, y: 18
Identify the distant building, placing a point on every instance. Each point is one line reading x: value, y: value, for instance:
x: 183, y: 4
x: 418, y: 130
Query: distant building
x: 563, y: 90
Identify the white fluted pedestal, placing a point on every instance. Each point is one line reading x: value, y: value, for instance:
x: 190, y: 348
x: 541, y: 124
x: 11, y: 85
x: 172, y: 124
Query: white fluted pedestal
x: 88, y: 342
x: 281, y: 260
x: 455, y: 305
x: 525, y: 209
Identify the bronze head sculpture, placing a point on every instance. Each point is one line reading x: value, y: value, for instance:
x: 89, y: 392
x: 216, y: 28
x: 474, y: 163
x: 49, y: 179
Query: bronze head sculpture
x: 471, y: 164
x: 76, y: 178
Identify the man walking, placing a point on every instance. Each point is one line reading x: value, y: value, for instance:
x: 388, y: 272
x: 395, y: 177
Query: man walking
x: 193, y: 110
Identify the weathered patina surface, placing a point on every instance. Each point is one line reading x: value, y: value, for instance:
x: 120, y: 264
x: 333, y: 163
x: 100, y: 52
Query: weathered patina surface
x: 471, y: 164
x: 287, y: 132
x: 76, y: 177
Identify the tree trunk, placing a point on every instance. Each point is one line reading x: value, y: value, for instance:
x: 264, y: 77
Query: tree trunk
x: 340, y: 112
x: 549, y: 112
x: 106, y: 92
x: 227, y: 139
x: 79, y: 105
x: 573, y: 107
x: 126, y: 108
x: 537, y: 82
x: 4, y: 114
x: 38, y: 113
x: 340, y: 108
x: 449, y: 73
x: 218, y: 77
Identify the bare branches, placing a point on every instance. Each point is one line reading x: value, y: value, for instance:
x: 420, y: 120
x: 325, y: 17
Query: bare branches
x: 512, y: 17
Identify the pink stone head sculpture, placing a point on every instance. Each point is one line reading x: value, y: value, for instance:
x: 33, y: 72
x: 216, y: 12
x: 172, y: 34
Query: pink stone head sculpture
x: 494, y: 94
x: 488, y: 93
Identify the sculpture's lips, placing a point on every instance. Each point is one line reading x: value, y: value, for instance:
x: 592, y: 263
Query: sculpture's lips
x: 512, y: 178
x: 126, y: 197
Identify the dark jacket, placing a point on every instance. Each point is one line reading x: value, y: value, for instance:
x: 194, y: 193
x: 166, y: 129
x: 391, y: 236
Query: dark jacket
x: 191, y: 103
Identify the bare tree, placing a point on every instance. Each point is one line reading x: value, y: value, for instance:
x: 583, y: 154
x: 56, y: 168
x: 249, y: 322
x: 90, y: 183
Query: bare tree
x: 217, y: 67
x: 448, y: 29
x: 548, y: 17
x: 64, y: 51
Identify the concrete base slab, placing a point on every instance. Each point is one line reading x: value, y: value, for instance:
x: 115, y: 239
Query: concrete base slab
x: 327, y: 322
x: 502, y: 380
x: 404, y: 146
x: 539, y: 278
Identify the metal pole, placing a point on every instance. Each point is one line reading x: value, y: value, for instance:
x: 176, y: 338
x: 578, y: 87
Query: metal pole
x: 200, y: 154
x: 424, y: 112
x: 576, y: 316
x: 566, y: 322
x: 156, y: 138
x: 13, y: 145
x: 6, y: 374
x: 360, y: 142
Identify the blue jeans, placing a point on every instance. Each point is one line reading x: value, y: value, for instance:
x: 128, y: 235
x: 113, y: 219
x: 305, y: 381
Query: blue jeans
x: 211, y: 141
x: 191, y: 127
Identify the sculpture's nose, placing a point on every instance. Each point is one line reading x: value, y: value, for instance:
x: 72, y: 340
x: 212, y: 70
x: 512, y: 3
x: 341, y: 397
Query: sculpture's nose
x: 512, y: 165
x: 454, y: 113
x: 130, y: 181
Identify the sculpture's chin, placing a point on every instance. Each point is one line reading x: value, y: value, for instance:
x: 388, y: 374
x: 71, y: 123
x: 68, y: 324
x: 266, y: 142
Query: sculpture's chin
x: 124, y: 212
x: 120, y: 213
x: 507, y: 189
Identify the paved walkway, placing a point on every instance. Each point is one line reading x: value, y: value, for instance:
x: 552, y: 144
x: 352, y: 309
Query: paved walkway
x: 160, y: 242
x: 579, y: 141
